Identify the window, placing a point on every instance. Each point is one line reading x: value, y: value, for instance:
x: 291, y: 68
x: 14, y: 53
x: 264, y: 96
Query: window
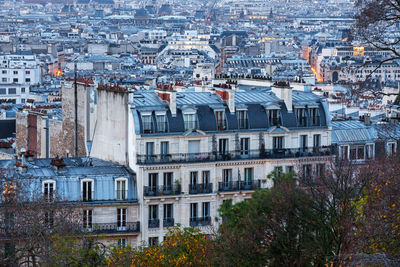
x: 3, y: 91
x: 4, y: 72
x: 320, y: 170
x: 168, y: 177
x: 87, y: 190
x: 242, y: 119
x: 307, y: 169
x: 206, y: 209
x: 4, y: 80
x: 277, y: 142
x: 15, y: 80
x: 369, y: 149
x: 226, y: 176
x: 149, y: 151
x: 221, y: 122
x: 343, y: 152
x: 278, y: 171
x: 164, y: 149
x: 390, y: 148
x: 301, y: 117
x: 122, y: 243
x: 161, y: 123
x: 121, y: 187
x: 274, y: 117
x: 314, y: 115
x: 121, y: 219
x: 289, y: 169
x: 153, y: 216
x: 303, y: 142
x: 206, y: 177
x: 12, y: 91
x: 168, y: 215
x: 28, y: 80
x: 248, y: 175
x: 153, y: 241
x: 147, y: 124
x: 22, y: 90
x: 190, y: 121
x: 87, y: 219
x: 48, y: 190
x: 244, y: 146
x: 49, y: 219
x: 153, y: 182
x: 193, y: 178
x: 223, y: 146
x: 357, y: 152
x: 193, y: 210
x: 15, y: 72
x: 317, y: 140
x: 27, y: 72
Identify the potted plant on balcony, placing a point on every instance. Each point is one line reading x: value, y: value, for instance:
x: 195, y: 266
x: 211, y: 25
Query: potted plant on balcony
x: 58, y: 163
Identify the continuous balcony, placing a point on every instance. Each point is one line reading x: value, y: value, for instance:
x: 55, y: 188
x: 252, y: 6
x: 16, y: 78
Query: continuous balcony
x: 162, y: 190
x: 200, y: 188
x: 112, y: 228
x: 278, y: 153
x: 238, y: 185
x: 168, y: 222
x: 200, y: 221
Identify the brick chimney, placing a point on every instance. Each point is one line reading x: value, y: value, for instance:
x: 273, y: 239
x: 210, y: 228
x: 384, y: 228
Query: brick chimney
x: 283, y: 91
x: 227, y: 95
x: 168, y: 95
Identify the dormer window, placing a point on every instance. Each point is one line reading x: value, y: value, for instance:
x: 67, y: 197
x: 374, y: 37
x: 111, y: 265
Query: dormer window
x: 314, y: 116
x: 87, y: 189
x: 147, y: 123
x: 49, y: 187
x: 274, y: 116
x: 221, y: 121
x: 242, y: 119
x: 301, y: 117
x: 161, y: 123
x: 190, y: 121
x: 121, y: 188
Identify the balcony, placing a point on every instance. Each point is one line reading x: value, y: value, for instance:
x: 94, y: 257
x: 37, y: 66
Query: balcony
x: 200, y: 188
x: 235, y: 155
x: 238, y: 185
x: 110, y: 228
x: 168, y: 222
x: 200, y: 221
x: 162, y: 190
x: 154, y: 223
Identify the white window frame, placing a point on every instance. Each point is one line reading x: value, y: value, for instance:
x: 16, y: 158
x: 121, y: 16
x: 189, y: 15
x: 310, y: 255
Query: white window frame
x: 124, y: 195
x: 88, y: 226
x: 372, y: 145
x: 49, y: 181
x: 390, y: 152
x: 92, y: 193
x: 341, y: 147
x: 120, y: 217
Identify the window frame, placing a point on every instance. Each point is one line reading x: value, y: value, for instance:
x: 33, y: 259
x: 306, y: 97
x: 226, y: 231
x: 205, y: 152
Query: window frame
x: 123, y: 195
x: 49, y: 181
x: 92, y: 191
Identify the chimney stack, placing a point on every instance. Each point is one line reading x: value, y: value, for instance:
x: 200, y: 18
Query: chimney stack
x: 283, y: 91
x: 227, y: 95
x: 168, y: 95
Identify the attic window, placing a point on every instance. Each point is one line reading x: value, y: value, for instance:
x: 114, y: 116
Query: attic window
x: 147, y: 123
x: 221, y: 120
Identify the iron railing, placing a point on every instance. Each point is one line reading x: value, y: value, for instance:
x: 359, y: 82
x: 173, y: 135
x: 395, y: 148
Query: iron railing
x: 200, y: 221
x: 200, y: 188
x: 162, y: 190
x: 168, y: 222
x: 238, y: 185
x: 235, y: 155
x: 128, y: 227
x: 154, y: 223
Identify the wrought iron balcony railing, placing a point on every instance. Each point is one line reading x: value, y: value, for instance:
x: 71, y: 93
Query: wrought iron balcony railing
x: 162, y: 190
x: 200, y: 188
x: 168, y: 222
x: 154, y: 223
x: 200, y: 221
x: 109, y: 228
x: 238, y: 185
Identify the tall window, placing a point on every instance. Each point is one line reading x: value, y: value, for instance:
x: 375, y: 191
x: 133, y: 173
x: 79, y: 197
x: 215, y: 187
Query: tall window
x: 303, y: 142
x: 153, y: 182
x: 168, y: 177
x: 314, y: 116
x: 369, y: 149
x: 193, y: 178
x: 121, y: 189
x: 343, y: 152
x: 206, y: 177
x: 87, y: 219
x: 277, y: 142
x: 153, y: 241
x: 162, y: 123
x: 122, y: 243
x: 206, y: 209
x: 153, y: 212
x: 168, y: 211
x: 49, y: 219
x: 48, y: 190
x: 149, y: 150
x: 221, y: 122
x: 320, y: 170
x: 242, y: 119
x: 390, y: 148
x: 87, y: 190
x: 244, y: 146
x: 223, y: 146
x: 164, y: 149
x: 227, y: 176
x: 147, y: 124
x: 274, y: 117
x: 248, y: 175
x: 317, y: 140
x: 121, y: 219
x: 301, y: 117
x: 190, y: 121
x: 193, y: 210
